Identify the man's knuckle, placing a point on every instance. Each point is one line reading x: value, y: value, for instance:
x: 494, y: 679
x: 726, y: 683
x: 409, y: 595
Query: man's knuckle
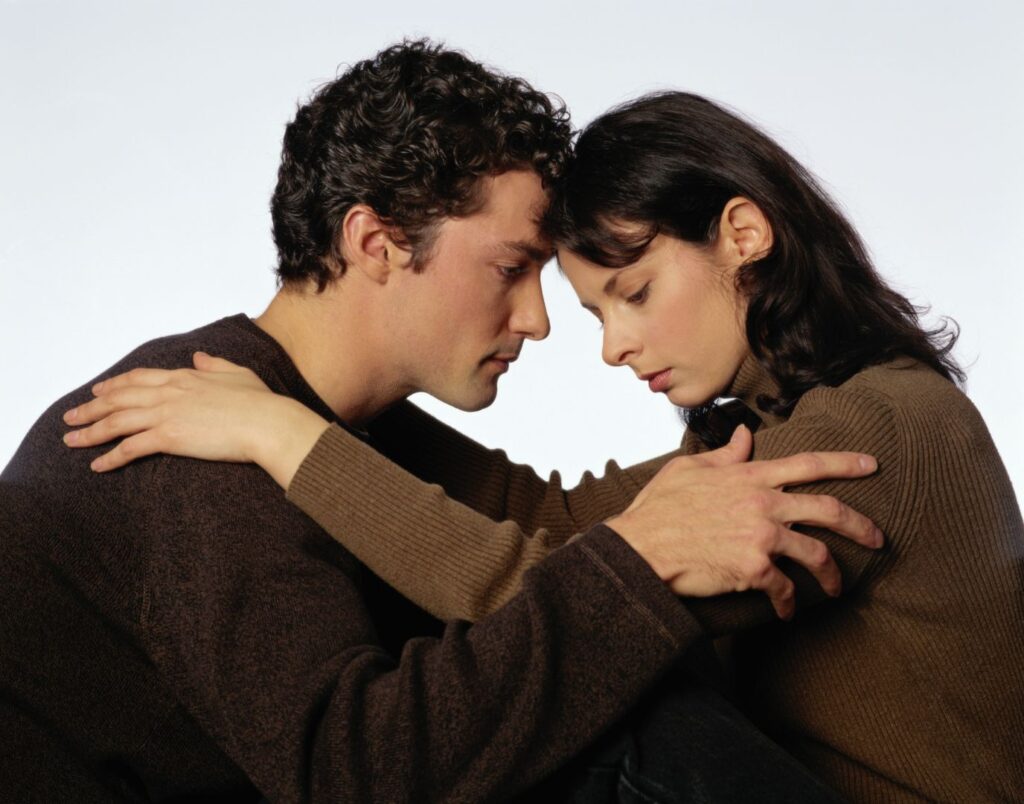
x: 763, y: 535
x: 760, y: 501
x: 819, y: 555
x: 834, y: 509
x: 758, y: 567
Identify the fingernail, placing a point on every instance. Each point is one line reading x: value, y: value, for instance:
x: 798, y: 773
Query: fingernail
x: 71, y: 438
x: 879, y: 537
x: 96, y: 465
x: 71, y: 415
x: 867, y: 463
x: 98, y: 387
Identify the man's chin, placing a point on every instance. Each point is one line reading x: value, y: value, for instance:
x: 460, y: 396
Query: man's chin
x: 471, y: 400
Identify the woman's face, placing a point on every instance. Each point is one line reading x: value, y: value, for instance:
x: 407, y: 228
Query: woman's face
x: 675, y: 317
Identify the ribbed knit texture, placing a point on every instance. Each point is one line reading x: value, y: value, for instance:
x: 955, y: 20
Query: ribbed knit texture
x: 177, y: 630
x: 476, y: 553
x: 910, y: 686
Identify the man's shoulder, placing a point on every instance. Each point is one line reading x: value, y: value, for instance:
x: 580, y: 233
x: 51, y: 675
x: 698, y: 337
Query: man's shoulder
x: 227, y: 337
x: 235, y: 338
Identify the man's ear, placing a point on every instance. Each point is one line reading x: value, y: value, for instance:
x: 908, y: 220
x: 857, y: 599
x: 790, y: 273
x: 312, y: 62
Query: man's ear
x: 367, y: 245
x: 744, y: 233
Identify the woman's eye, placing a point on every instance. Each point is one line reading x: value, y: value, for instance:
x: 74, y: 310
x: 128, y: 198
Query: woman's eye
x: 640, y: 296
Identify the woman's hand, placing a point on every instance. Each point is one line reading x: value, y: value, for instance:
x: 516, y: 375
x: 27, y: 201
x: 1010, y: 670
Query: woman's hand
x: 218, y: 412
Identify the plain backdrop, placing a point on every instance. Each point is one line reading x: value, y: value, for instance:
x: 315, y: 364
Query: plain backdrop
x: 140, y: 140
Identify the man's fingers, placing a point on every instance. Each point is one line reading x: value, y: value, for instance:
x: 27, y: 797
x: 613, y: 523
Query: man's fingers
x: 780, y: 591
x: 808, y: 467
x: 736, y: 451
x: 823, y: 511
x: 814, y: 556
x: 139, y: 376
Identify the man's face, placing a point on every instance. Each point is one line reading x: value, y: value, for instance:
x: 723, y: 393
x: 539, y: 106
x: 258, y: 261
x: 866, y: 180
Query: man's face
x: 462, y: 320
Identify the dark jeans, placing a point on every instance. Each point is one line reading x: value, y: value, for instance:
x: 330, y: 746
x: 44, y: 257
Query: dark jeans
x: 684, y: 745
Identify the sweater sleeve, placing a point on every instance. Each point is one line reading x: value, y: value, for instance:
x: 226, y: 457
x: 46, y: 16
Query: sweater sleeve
x: 260, y: 625
x: 458, y: 530
x: 828, y: 419
x: 488, y: 482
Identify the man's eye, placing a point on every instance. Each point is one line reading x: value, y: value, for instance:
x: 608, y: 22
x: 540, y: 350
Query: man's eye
x: 511, y: 271
x: 640, y: 296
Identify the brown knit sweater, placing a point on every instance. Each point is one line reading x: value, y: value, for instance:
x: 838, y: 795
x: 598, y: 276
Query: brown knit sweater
x: 177, y: 630
x: 910, y: 686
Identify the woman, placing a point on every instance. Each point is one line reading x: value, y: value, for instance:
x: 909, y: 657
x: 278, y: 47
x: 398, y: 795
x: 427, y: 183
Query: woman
x: 719, y: 270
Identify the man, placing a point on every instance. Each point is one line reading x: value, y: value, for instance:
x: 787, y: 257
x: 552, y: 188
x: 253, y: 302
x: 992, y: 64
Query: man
x: 177, y: 630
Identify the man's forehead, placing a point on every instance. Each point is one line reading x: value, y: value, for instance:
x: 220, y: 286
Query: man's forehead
x: 507, y: 222
x: 535, y: 250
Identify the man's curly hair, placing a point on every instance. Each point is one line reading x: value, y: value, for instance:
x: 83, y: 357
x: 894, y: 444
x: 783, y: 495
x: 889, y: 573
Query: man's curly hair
x: 409, y: 133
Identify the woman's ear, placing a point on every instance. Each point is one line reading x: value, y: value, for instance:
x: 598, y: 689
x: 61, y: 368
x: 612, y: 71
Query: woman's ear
x: 367, y: 245
x: 744, y: 234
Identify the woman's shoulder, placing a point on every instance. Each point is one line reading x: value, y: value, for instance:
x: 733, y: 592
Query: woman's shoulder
x: 913, y: 399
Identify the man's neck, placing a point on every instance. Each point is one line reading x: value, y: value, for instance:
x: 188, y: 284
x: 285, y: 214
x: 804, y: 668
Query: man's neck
x: 328, y: 338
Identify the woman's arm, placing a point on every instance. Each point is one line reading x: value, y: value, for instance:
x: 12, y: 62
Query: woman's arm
x: 455, y: 562
x: 488, y: 482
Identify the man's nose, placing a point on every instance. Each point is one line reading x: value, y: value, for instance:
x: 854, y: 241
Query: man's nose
x: 530, y: 315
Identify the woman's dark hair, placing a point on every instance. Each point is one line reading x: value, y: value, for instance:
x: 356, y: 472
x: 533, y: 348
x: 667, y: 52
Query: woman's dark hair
x: 409, y: 133
x: 817, y: 311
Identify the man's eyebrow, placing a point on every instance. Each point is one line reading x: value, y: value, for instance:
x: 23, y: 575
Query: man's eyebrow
x: 525, y: 248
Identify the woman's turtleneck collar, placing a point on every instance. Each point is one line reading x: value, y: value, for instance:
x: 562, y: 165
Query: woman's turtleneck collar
x: 751, y: 382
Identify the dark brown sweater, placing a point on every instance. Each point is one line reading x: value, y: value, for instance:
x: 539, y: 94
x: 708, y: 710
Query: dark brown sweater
x: 910, y: 686
x: 179, y: 629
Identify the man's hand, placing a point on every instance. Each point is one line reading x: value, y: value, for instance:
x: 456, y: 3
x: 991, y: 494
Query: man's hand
x: 715, y: 523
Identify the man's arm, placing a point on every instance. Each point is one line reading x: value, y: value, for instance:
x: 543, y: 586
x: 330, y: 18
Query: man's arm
x: 256, y: 620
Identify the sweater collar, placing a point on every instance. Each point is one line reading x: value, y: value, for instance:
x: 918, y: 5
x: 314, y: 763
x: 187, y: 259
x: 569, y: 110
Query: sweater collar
x: 288, y: 375
x: 753, y: 381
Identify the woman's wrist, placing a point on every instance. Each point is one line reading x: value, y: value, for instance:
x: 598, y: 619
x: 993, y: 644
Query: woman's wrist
x: 290, y: 433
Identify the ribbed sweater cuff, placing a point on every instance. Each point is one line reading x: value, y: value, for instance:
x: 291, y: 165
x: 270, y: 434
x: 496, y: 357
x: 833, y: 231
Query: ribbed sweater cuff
x: 337, y: 455
x: 639, y: 584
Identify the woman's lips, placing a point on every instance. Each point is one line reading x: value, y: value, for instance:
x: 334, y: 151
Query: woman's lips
x: 658, y: 382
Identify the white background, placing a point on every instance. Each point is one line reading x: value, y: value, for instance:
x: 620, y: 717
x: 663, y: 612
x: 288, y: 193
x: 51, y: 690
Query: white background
x: 139, y: 144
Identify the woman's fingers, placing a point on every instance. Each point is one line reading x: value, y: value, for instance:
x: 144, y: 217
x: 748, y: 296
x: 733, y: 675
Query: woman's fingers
x: 113, y: 401
x: 823, y: 511
x: 132, y: 448
x: 139, y: 376
x: 812, y: 555
x: 205, y: 362
x: 117, y: 424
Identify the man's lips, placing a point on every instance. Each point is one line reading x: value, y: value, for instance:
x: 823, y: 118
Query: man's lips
x: 503, y: 360
x: 657, y: 381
